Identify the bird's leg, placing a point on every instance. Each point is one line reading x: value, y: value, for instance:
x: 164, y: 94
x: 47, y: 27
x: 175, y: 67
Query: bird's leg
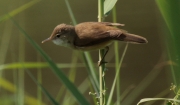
x: 102, y: 60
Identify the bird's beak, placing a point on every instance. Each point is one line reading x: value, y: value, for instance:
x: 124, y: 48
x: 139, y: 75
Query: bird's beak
x: 48, y: 39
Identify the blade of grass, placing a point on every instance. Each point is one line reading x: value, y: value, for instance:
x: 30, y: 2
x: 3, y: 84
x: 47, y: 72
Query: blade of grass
x: 86, y: 55
x: 32, y: 101
x: 58, y: 72
x: 8, y: 86
x: 4, y: 45
x: 161, y: 94
x: 82, y: 87
x: 70, y: 12
x: 31, y: 65
x: 72, y: 74
x: 26, y: 64
x: 146, y: 81
x: 117, y: 74
x: 39, y: 78
x: 5, y: 40
x: 15, y: 76
x: 21, y: 58
x: 18, y: 10
x: 90, y: 66
x: 170, y: 10
x: 125, y: 93
x: 43, y: 89
x: 157, y: 99
x: 6, y: 100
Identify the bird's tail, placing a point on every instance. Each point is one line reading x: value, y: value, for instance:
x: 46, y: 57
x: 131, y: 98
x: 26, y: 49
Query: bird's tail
x: 132, y: 38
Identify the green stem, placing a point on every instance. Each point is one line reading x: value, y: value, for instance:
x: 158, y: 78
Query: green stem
x: 21, y: 71
x: 117, y: 73
x: 101, y: 52
x: 39, y: 78
x: 70, y: 12
x: 116, y: 60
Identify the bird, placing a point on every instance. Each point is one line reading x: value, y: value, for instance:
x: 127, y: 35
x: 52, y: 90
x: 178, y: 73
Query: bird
x: 88, y: 36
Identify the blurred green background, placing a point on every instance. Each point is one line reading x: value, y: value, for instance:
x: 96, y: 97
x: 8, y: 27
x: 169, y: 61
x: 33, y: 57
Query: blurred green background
x: 146, y: 67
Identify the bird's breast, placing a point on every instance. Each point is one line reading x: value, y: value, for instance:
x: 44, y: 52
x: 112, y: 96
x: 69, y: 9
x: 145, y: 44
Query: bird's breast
x: 95, y: 46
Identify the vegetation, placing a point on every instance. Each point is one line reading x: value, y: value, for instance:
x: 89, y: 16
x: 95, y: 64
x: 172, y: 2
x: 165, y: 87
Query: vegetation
x: 30, y: 71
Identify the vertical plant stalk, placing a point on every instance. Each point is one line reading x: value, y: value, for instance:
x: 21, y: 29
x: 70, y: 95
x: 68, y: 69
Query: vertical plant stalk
x: 70, y: 12
x: 21, y: 72
x: 101, y: 52
x: 39, y: 78
x: 116, y: 51
x: 117, y: 74
x: 4, y: 43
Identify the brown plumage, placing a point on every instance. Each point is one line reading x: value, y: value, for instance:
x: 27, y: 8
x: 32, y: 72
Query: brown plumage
x: 91, y: 35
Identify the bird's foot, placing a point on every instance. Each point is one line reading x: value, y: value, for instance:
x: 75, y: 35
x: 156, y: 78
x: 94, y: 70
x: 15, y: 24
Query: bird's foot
x: 101, y: 62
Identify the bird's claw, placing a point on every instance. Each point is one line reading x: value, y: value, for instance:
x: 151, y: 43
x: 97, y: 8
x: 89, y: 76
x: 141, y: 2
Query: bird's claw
x: 101, y: 62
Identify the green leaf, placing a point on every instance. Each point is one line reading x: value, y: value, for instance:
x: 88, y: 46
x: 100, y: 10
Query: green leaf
x: 108, y: 6
x: 157, y: 99
x: 31, y: 65
x: 25, y: 65
x: 170, y: 10
x: 70, y: 86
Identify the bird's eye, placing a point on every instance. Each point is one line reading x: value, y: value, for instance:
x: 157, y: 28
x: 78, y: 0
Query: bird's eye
x: 58, y: 35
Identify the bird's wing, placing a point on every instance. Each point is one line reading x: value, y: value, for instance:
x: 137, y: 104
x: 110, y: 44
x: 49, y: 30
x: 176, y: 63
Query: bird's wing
x: 91, y: 39
x: 91, y: 33
x: 112, y: 24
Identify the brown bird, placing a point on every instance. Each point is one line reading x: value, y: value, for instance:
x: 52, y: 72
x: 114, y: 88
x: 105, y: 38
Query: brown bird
x: 89, y: 36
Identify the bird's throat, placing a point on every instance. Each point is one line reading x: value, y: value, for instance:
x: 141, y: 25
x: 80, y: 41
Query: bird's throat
x: 61, y: 42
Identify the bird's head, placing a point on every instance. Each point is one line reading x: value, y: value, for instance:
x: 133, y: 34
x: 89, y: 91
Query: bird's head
x: 59, y: 34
